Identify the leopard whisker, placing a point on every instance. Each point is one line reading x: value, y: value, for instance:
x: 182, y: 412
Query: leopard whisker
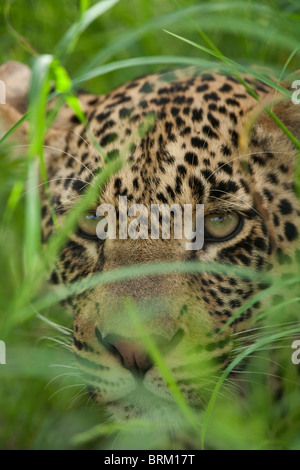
x: 221, y: 394
x: 60, y: 328
x: 280, y: 366
x: 226, y: 383
x: 59, y: 150
x: 64, y: 366
x: 266, y: 374
x: 198, y: 398
x: 264, y: 334
x: 66, y: 374
x: 66, y: 388
x: 64, y: 345
x: 232, y: 384
x: 94, y: 149
x: 79, y: 395
x: 71, y: 156
x: 231, y: 202
x: 271, y: 342
x: 250, y: 382
x: 277, y: 325
x: 56, y: 179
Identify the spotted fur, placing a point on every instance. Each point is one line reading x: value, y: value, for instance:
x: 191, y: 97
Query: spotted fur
x: 191, y: 153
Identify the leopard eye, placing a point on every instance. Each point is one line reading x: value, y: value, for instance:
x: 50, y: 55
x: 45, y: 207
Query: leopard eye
x: 220, y: 227
x: 88, y: 224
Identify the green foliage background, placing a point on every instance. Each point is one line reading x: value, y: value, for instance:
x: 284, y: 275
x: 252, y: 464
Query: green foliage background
x: 41, y: 408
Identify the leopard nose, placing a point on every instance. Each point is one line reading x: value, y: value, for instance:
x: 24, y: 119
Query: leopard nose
x: 132, y: 355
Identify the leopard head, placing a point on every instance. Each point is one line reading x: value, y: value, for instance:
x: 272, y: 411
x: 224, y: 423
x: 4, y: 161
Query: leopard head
x: 195, y: 151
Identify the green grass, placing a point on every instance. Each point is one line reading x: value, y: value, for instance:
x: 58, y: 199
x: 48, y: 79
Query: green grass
x: 43, y: 400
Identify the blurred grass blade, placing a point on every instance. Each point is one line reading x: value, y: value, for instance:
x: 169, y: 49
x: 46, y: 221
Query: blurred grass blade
x: 84, y: 5
x: 260, y: 343
x: 109, y: 428
x: 160, y: 363
x: 192, y: 267
x: 69, y: 40
x: 32, y: 242
x: 264, y: 79
x: 13, y: 128
x: 274, y: 308
x: 13, y: 200
x: 21, y: 39
x: 37, y: 275
x: 257, y: 297
x: 287, y: 62
x: 234, y: 65
x: 138, y: 61
x: 196, y: 11
x: 64, y: 86
x: 39, y: 89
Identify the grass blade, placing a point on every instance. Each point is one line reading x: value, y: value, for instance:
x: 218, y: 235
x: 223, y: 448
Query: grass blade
x: 138, y: 61
x: 195, y: 11
x: 234, y: 363
x: 37, y: 98
x: 69, y: 40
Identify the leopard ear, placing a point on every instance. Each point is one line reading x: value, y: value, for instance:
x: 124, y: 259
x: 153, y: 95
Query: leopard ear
x: 269, y: 163
x: 261, y: 133
x: 15, y: 81
x: 287, y: 111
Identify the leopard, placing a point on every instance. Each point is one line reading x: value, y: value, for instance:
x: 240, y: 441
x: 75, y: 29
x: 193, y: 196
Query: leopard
x: 184, y: 136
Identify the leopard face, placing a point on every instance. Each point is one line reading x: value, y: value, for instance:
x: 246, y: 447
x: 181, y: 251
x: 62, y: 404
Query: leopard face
x: 190, y: 154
